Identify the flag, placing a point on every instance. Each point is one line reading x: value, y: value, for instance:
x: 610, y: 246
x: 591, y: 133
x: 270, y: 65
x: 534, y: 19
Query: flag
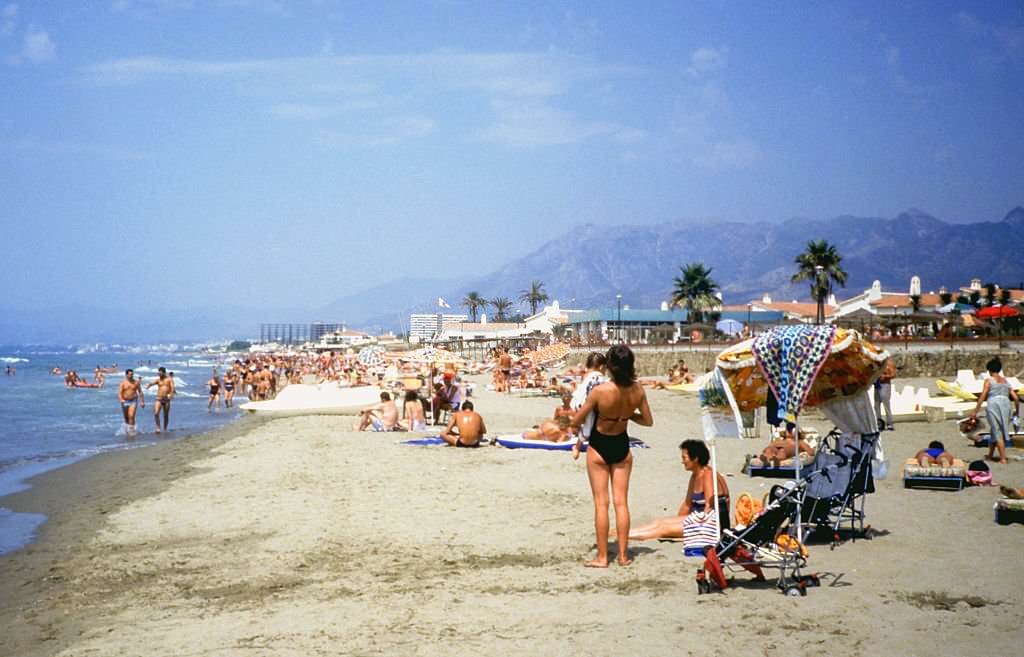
x: 441, y: 303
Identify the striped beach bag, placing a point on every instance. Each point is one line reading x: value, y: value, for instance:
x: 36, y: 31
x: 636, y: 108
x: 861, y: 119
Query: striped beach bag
x: 700, y: 529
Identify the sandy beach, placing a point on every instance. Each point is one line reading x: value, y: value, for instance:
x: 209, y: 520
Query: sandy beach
x: 300, y: 537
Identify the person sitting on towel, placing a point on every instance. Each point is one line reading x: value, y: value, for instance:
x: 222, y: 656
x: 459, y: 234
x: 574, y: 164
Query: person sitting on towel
x: 466, y: 428
x: 936, y: 454
x: 381, y: 417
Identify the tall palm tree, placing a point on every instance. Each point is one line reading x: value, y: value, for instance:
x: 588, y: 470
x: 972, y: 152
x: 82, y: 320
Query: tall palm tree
x: 1004, y: 297
x: 819, y: 264
x: 501, y: 306
x: 474, y: 302
x: 990, y: 294
x: 915, y: 302
x: 695, y: 290
x: 946, y: 298
x: 534, y: 296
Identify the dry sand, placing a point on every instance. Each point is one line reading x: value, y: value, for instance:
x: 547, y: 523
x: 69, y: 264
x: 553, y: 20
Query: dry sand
x: 300, y: 537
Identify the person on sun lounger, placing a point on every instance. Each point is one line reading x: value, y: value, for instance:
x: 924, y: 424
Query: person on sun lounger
x: 935, y: 454
x: 784, y: 448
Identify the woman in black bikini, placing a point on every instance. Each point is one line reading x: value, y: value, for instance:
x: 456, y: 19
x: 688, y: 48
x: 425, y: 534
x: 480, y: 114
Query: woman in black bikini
x: 608, y: 460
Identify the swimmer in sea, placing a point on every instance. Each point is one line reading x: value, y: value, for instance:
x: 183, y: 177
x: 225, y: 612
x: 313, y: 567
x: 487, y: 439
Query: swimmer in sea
x: 129, y: 395
x: 465, y: 428
x: 164, y: 391
x: 214, y: 384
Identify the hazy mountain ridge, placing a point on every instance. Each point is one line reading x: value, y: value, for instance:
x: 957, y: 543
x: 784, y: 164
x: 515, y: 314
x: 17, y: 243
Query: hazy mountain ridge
x: 590, y: 264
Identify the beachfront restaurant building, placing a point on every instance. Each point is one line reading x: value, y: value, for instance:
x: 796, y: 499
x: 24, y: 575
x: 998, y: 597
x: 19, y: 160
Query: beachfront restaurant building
x: 656, y: 326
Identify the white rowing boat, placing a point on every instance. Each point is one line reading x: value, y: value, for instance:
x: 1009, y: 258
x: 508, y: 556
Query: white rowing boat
x: 316, y: 399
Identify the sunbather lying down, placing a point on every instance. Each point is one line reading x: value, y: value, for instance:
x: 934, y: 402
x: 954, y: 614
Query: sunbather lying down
x: 784, y: 448
x: 549, y: 430
x: 936, y: 454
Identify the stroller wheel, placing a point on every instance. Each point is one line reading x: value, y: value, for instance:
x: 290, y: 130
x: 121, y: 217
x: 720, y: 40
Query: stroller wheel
x: 794, y: 590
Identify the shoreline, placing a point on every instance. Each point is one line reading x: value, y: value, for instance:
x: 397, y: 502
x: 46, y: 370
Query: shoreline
x: 76, y: 499
x: 299, y: 536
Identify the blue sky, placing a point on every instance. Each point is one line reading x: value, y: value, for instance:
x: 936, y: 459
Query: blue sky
x: 284, y: 152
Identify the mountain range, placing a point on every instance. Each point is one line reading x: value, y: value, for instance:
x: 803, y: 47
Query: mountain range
x: 590, y: 264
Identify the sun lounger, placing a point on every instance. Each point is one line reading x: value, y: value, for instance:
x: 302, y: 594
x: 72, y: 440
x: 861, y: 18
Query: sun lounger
x: 755, y: 467
x: 1008, y: 511
x: 934, y: 476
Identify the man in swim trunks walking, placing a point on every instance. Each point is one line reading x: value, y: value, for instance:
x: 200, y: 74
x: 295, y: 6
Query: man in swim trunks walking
x: 129, y: 395
x: 465, y: 429
x: 164, y: 392
x: 504, y: 371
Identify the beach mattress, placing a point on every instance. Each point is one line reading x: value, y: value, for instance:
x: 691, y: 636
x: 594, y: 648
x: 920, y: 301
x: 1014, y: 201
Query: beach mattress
x: 516, y: 441
x: 1008, y: 511
x: 785, y: 470
x: 954, y: 390
x: 934, y: 476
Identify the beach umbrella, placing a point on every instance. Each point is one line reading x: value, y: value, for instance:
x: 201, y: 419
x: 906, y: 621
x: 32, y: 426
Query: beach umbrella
x: 372, y: 355
x: 997, y: 312
x: 962, y: 308
x: 805, y: 366
x: 729, y: 326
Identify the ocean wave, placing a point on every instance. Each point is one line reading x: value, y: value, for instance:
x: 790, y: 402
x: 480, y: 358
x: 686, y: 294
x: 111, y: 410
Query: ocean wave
x: 12, y: 359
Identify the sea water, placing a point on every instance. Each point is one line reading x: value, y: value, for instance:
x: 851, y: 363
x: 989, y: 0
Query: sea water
x: 44, y: 426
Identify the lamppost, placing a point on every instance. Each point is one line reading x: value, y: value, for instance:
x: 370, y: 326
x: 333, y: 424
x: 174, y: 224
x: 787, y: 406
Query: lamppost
x: 618, y: 317
x: 818, y: 293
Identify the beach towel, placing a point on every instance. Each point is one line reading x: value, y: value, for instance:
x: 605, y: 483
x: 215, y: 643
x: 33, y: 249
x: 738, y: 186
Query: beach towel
x: 789, y: 358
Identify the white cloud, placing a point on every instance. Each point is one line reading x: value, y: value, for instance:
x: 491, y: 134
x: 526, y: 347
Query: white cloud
x: 997, y: 42
x: 149, y: 7
x: 65, y: 149
x: 39, y: 47
x: 388, y: 132
x: 514, y: 85
x: 7, y: 22
x: 728, y: 155
x: 707, y: 61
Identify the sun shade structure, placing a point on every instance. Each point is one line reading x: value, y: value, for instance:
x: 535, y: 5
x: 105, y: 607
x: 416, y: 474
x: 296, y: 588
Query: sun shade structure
x: 997, y: 312
x: 805, y: 366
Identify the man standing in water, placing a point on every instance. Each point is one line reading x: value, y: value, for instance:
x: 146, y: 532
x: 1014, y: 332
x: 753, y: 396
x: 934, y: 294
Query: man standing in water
x: 164, y: 391
x: 129, y: 394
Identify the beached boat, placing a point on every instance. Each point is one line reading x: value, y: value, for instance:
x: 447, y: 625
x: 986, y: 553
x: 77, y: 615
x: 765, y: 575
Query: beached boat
x: 316, y: 399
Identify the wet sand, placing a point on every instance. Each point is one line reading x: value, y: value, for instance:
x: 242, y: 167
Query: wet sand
x: 299, y: 537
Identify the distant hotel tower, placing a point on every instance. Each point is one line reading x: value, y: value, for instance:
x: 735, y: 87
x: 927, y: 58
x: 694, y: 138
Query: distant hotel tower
x: 296, y: 333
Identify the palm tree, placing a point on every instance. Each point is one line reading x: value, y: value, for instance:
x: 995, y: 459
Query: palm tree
x: 534, y: 296
x: 819, y: 264
x: 501, y: 306
x: 474, y: 302
x: 975, y: 298
x: 695, y: 290
x: 915, y: 302
x: 1004, y: 297
x: 946, y: 298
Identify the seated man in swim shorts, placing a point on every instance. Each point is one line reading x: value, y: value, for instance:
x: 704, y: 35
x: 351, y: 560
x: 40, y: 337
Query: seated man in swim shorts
x: 936, y: 454
x: 381, y: 417
x: 466, y: 428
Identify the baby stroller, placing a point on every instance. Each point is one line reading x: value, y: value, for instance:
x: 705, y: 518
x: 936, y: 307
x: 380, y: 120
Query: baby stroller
x: 838, y: 481
x: 756, y: 547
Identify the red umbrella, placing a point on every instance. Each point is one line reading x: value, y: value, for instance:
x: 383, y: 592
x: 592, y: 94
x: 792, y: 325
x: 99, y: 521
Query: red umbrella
x: 994, y: 312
